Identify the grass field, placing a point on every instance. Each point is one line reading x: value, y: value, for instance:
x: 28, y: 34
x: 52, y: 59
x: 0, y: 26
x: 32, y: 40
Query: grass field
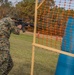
x: 21, y: 51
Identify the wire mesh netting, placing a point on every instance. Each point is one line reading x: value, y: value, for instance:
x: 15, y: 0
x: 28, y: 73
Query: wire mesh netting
x: 52, y: 20
x: 45, y: 62
x: 54, y: 30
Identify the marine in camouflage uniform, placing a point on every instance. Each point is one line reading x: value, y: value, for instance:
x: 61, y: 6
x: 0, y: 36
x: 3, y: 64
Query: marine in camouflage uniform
x: 7, y: 26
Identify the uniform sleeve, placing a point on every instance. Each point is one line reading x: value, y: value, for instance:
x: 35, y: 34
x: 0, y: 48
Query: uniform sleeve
x: 14, y: 29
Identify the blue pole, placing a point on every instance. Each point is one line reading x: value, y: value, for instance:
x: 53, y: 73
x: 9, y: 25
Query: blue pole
x: 65, y: 65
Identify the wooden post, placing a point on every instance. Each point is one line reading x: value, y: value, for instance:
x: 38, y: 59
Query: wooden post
x: 34, y: 38
x: 40, y: 4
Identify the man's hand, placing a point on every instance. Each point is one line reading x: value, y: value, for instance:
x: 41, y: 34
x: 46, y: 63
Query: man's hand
x: 19, y: 26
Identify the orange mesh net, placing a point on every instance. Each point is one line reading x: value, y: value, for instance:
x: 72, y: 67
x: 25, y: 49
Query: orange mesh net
x: 54, y: 28
x: 51, y: 21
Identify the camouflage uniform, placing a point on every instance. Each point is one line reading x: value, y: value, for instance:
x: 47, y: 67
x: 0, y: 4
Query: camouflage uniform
x: 7, y: 26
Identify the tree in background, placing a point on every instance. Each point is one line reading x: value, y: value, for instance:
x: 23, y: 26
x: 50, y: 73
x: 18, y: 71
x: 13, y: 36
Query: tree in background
x: 5, y: 5
x: 25, y: 10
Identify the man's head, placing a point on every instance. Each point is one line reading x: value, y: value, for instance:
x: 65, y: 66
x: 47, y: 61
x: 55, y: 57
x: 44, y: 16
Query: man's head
x: 15, y: 19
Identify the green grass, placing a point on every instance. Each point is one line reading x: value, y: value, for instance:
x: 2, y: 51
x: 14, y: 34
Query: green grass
x: 21, y: 51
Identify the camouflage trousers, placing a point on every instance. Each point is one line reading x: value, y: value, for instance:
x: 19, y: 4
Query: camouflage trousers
x: 6, y: 62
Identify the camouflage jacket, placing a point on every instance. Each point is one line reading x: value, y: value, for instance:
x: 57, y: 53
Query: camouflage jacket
x: 7, y: 26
